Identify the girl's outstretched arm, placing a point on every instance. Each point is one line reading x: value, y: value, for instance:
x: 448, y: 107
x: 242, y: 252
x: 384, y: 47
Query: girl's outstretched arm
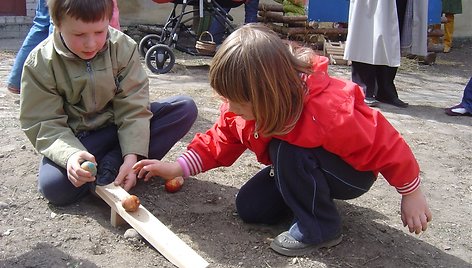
x: 149, y: 168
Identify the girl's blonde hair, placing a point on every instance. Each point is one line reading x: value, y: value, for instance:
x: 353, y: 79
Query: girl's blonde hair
x: 254, y: 65
x: 84, y: 10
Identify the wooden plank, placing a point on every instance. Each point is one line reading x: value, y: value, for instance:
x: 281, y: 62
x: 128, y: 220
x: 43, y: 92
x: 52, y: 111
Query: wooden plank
x: 116, y: 219
x: 154, y: 231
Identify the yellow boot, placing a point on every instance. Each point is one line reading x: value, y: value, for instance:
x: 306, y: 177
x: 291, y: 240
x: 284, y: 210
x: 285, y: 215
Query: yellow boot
x: 448, y: 32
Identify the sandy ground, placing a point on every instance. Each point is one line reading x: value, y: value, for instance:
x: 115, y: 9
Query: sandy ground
x: 35, y: 234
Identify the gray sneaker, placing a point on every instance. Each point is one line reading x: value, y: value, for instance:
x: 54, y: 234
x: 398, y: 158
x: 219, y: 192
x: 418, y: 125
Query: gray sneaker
x: 371, y: 102
x: 286, y: 245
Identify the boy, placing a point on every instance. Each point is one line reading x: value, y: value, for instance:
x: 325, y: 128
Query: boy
x: 85, y: 96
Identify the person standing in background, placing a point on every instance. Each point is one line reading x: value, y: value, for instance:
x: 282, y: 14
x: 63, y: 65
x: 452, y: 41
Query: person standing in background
x: 449, y: 9
x: 42, y: 27
x: 378, y: 31
x: 217, y: 29
x: 115, y: 19
x: 465, y: 107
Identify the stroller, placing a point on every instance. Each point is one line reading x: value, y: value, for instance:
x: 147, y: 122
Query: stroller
x: 185, y: 26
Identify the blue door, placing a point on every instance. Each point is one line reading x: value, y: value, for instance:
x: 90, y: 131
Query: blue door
x: 338, y: 11
x: 328, y: 11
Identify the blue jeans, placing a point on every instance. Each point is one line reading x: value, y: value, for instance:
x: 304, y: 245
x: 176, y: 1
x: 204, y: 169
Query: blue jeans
x: 40, y: 30
x: 217, y: 29
x: 467, y: 98
x: 303, y: 185
x: 172, y: 119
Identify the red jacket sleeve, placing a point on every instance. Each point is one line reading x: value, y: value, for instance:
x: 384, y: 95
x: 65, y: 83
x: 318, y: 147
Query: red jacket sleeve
x: 224, y: 142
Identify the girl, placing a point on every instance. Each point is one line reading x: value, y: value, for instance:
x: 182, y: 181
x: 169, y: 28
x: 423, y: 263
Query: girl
x: 320, y: 140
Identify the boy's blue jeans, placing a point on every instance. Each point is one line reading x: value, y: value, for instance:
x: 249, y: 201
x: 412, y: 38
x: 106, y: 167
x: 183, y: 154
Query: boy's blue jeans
x: 217, y: 29
x: 304, y: 185
x: 40, y: 30
x: 467, y: 97
x: 172, y: 119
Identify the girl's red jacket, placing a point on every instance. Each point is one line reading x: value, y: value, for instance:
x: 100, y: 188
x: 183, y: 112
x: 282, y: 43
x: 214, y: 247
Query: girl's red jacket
x: 334, y: 117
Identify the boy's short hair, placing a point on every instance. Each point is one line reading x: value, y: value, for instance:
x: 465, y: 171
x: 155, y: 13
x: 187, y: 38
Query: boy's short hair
x: 84, y: 10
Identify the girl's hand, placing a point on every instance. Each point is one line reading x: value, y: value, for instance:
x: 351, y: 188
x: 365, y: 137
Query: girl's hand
x: 149, y: 168
x: 126, y: 177
x: 415, y: 212
x: 76, y: 175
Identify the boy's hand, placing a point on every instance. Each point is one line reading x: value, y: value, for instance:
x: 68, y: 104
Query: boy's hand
x: 415, y: 212
x: 126, y: 177
x: 77, y: 175
x: 149, y: 168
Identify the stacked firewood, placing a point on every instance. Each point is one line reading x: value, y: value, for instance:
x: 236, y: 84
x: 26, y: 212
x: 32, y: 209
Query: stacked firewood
x: 297, y: 27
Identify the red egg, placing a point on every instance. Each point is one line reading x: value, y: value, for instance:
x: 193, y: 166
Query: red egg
x: 174, y: 185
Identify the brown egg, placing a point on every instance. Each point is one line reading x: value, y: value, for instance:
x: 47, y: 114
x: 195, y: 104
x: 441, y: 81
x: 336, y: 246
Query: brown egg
x: 130, y: 203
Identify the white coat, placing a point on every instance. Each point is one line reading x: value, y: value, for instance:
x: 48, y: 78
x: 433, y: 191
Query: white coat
x: 373, y: 36
x: 373, y: 32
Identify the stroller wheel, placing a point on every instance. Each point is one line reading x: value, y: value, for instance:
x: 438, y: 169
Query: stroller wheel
x: 160, y: 59
x: 147, y: 42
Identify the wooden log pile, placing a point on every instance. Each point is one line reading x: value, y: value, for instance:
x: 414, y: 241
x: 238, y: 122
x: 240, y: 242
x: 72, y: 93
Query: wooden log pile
x: 300, y: 29
x: 293, y: 25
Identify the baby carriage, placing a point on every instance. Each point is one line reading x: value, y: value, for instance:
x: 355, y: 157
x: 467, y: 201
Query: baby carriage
x: 184, y: 31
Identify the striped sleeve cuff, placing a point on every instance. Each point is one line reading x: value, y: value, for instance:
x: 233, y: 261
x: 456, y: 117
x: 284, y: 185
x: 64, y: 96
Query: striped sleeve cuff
x: 192, y: 161
x: 409, y: 188
x: 184, y: 167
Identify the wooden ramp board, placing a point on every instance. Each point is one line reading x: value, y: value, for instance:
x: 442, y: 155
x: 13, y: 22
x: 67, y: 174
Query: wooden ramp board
x: 153, y: 230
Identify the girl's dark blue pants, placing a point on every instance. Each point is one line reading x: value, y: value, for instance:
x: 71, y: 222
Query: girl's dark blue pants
x: 172, y: 119
x: 303, y: 184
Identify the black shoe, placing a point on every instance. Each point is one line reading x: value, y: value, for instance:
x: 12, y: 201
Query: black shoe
x: 286, y: 245
x: 395, y: 102
x: 106, y: 174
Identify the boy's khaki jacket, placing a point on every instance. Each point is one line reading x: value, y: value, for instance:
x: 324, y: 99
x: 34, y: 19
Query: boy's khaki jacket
x: 63, y: 95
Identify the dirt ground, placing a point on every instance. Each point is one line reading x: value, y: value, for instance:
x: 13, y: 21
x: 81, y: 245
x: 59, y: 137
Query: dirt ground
x: 36, y: 234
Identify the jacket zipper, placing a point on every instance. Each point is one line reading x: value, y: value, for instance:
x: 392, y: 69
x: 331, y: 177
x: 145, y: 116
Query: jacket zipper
x: 92, y: 78
x: 271, y: 172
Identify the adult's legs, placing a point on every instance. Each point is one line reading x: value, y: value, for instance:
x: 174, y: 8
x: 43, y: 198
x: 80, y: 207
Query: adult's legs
x: 251, y: 7
x: 401, y: 9
x: 467, y: 97
x: 217, y: 28
x: 172, y: 119
x: 387, y: 91
x: 385, y: 79
x: 363, y: 74
x: 37, y: 33
x: 448, y: 32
